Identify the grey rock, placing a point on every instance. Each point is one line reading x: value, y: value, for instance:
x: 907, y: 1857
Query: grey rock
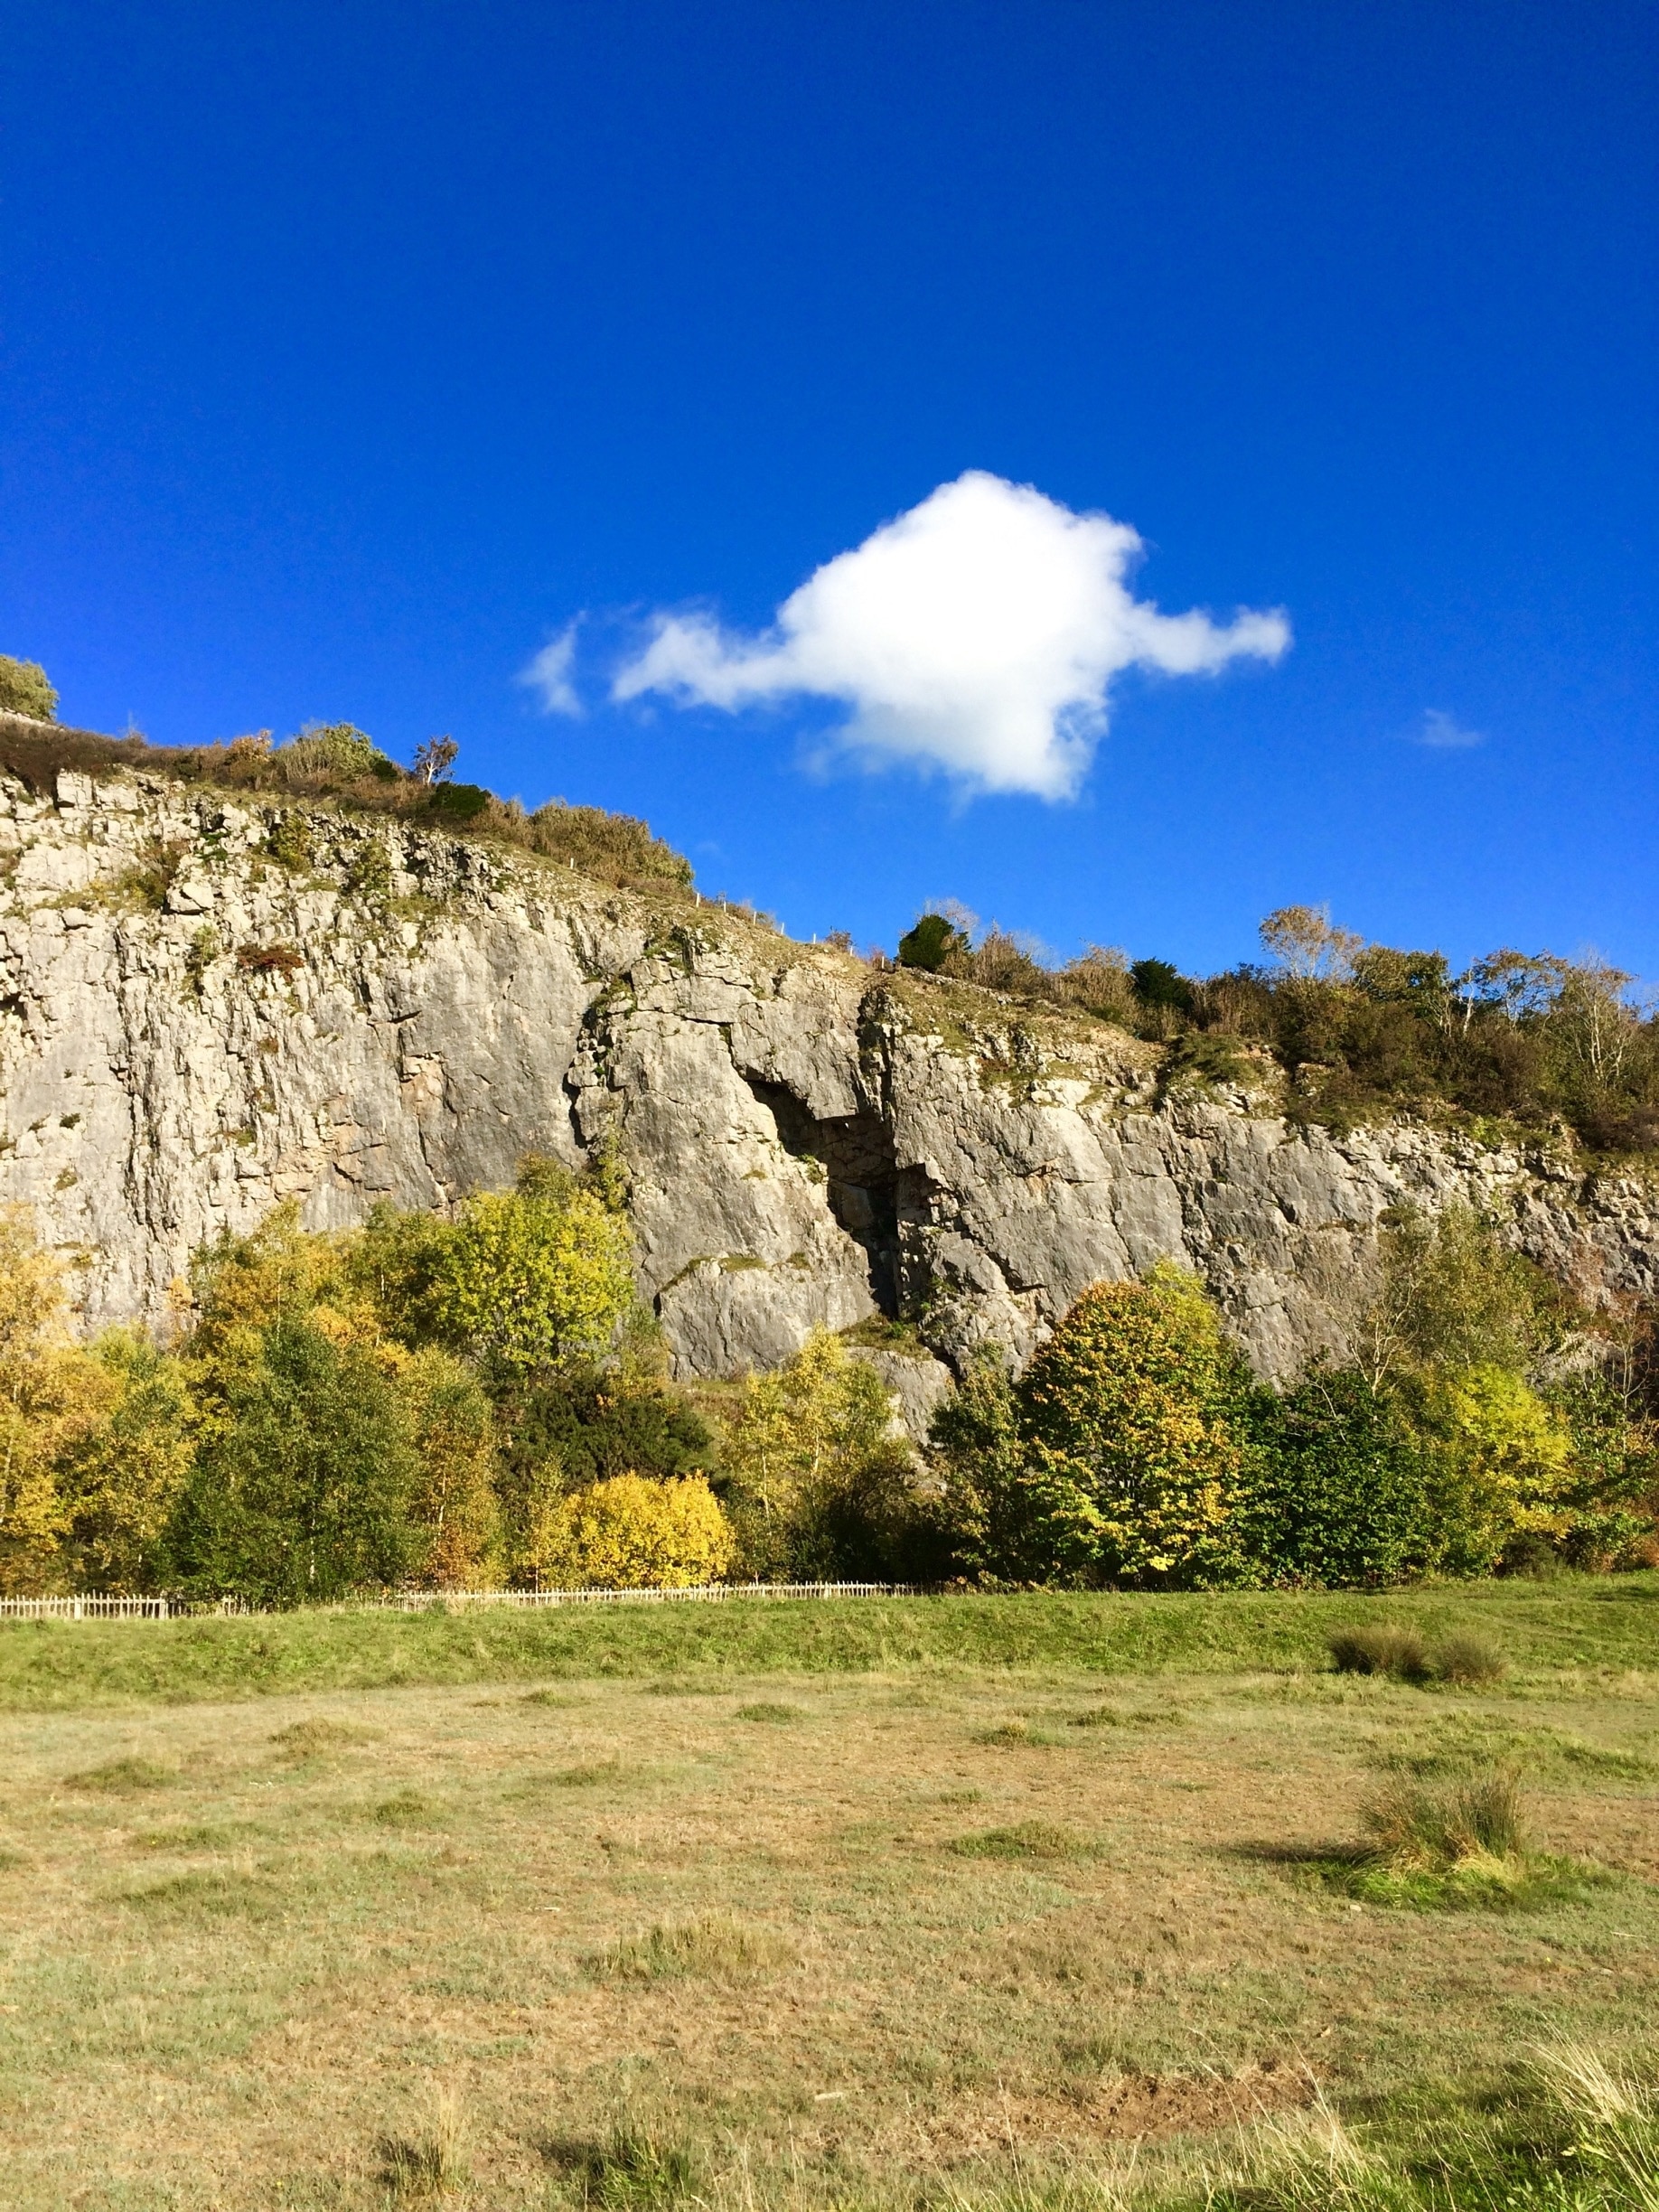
x: 808, y: 1144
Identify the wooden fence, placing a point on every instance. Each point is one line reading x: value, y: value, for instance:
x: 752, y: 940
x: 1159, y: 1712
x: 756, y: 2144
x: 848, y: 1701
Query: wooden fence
x: 440, y: 1601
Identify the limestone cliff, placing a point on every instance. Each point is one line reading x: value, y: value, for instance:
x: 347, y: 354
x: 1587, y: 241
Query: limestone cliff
x: 211, y: 1003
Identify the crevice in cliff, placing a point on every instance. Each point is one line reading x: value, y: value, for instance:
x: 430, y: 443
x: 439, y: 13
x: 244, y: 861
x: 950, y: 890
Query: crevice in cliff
x: 854, y: 1152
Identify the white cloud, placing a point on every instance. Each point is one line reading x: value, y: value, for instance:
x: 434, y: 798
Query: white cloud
x: 1445, y: 733
x: 550, y: 673
x: 978, y: 634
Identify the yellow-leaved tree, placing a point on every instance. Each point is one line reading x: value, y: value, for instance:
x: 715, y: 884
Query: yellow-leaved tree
x: 120, y: 1473
x: 632, y: 1533
x: 1504, y: 1461
x: 94, y: 1440
x: 820, y: 1484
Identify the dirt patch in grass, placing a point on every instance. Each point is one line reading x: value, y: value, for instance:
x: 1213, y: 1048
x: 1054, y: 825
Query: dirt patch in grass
x: 1133, y: 2107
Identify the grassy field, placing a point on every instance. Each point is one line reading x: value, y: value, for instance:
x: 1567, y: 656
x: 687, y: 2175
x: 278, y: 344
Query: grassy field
x: 1575, y: 1623
x: 808, y: 1906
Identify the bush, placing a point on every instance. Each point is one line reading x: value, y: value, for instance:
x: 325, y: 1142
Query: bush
x: 1129, y: 1419
x: 25, y: 689
x: 618, y: 848
x: 929, y: 943
x: 333, y: 752
x: 629, y: 1533
x: 595, y: 1422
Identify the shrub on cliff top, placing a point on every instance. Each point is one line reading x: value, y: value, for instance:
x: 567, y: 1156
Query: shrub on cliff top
x: 25, y: 691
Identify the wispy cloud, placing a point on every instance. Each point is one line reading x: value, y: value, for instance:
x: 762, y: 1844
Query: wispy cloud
x: 978, y: 634
x: 550, y: 673
x: 1443, y: 733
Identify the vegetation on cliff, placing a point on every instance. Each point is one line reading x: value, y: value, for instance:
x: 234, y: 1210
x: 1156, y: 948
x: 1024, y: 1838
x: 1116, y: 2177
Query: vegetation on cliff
x: 1360, y: 1031
x: 337, y: 763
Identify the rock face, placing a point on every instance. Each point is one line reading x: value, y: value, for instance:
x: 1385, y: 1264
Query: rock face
x: 194, y: 1028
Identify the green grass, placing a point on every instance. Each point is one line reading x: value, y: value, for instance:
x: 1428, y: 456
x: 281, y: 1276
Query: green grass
x: 1576, y: 1622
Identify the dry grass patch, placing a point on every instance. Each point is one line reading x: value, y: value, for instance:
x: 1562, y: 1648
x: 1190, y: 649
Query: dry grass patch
x: 764, y: 1973
x: 432, y: 2162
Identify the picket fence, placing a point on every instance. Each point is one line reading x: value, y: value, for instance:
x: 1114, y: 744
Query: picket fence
x: 439, y: 1601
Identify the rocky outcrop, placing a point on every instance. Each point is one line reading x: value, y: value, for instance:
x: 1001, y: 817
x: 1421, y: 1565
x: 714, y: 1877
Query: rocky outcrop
x: 208, y: 1006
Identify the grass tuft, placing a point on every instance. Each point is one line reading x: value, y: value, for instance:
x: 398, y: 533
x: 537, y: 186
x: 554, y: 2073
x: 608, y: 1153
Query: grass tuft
x: 1031, y: 1839
x: 432, y: 2164
x: 1414, y: 1829
x: 407, y: 1808
x: 1009, y: 1735
x: 315, y: 1739
x: 206, y: 1895
x: 714, y: 1946
x: 123, y: 1777
x: 1380, y: 1648
x: 1469, y: 1662
x: 778, y: 1716
x: 1465, y: 1848
x: 632, y: 2170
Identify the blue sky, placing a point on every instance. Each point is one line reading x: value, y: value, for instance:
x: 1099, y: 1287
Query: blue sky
x: 348, y: 354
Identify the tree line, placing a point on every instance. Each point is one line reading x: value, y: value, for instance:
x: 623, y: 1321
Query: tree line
x: 445, y: 1403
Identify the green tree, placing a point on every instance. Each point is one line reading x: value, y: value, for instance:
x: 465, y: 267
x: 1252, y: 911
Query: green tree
x: 1340, y: 1495
x: 930, y: 942
x: 977, y: 1501
x: 531, y: 1281
x: 1501, y: 1463
x: 1129, y: 1416
x: 453, y: 1505
x: 305, y: 1485
x: 1452, y: 1296
x: 25, y: 689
